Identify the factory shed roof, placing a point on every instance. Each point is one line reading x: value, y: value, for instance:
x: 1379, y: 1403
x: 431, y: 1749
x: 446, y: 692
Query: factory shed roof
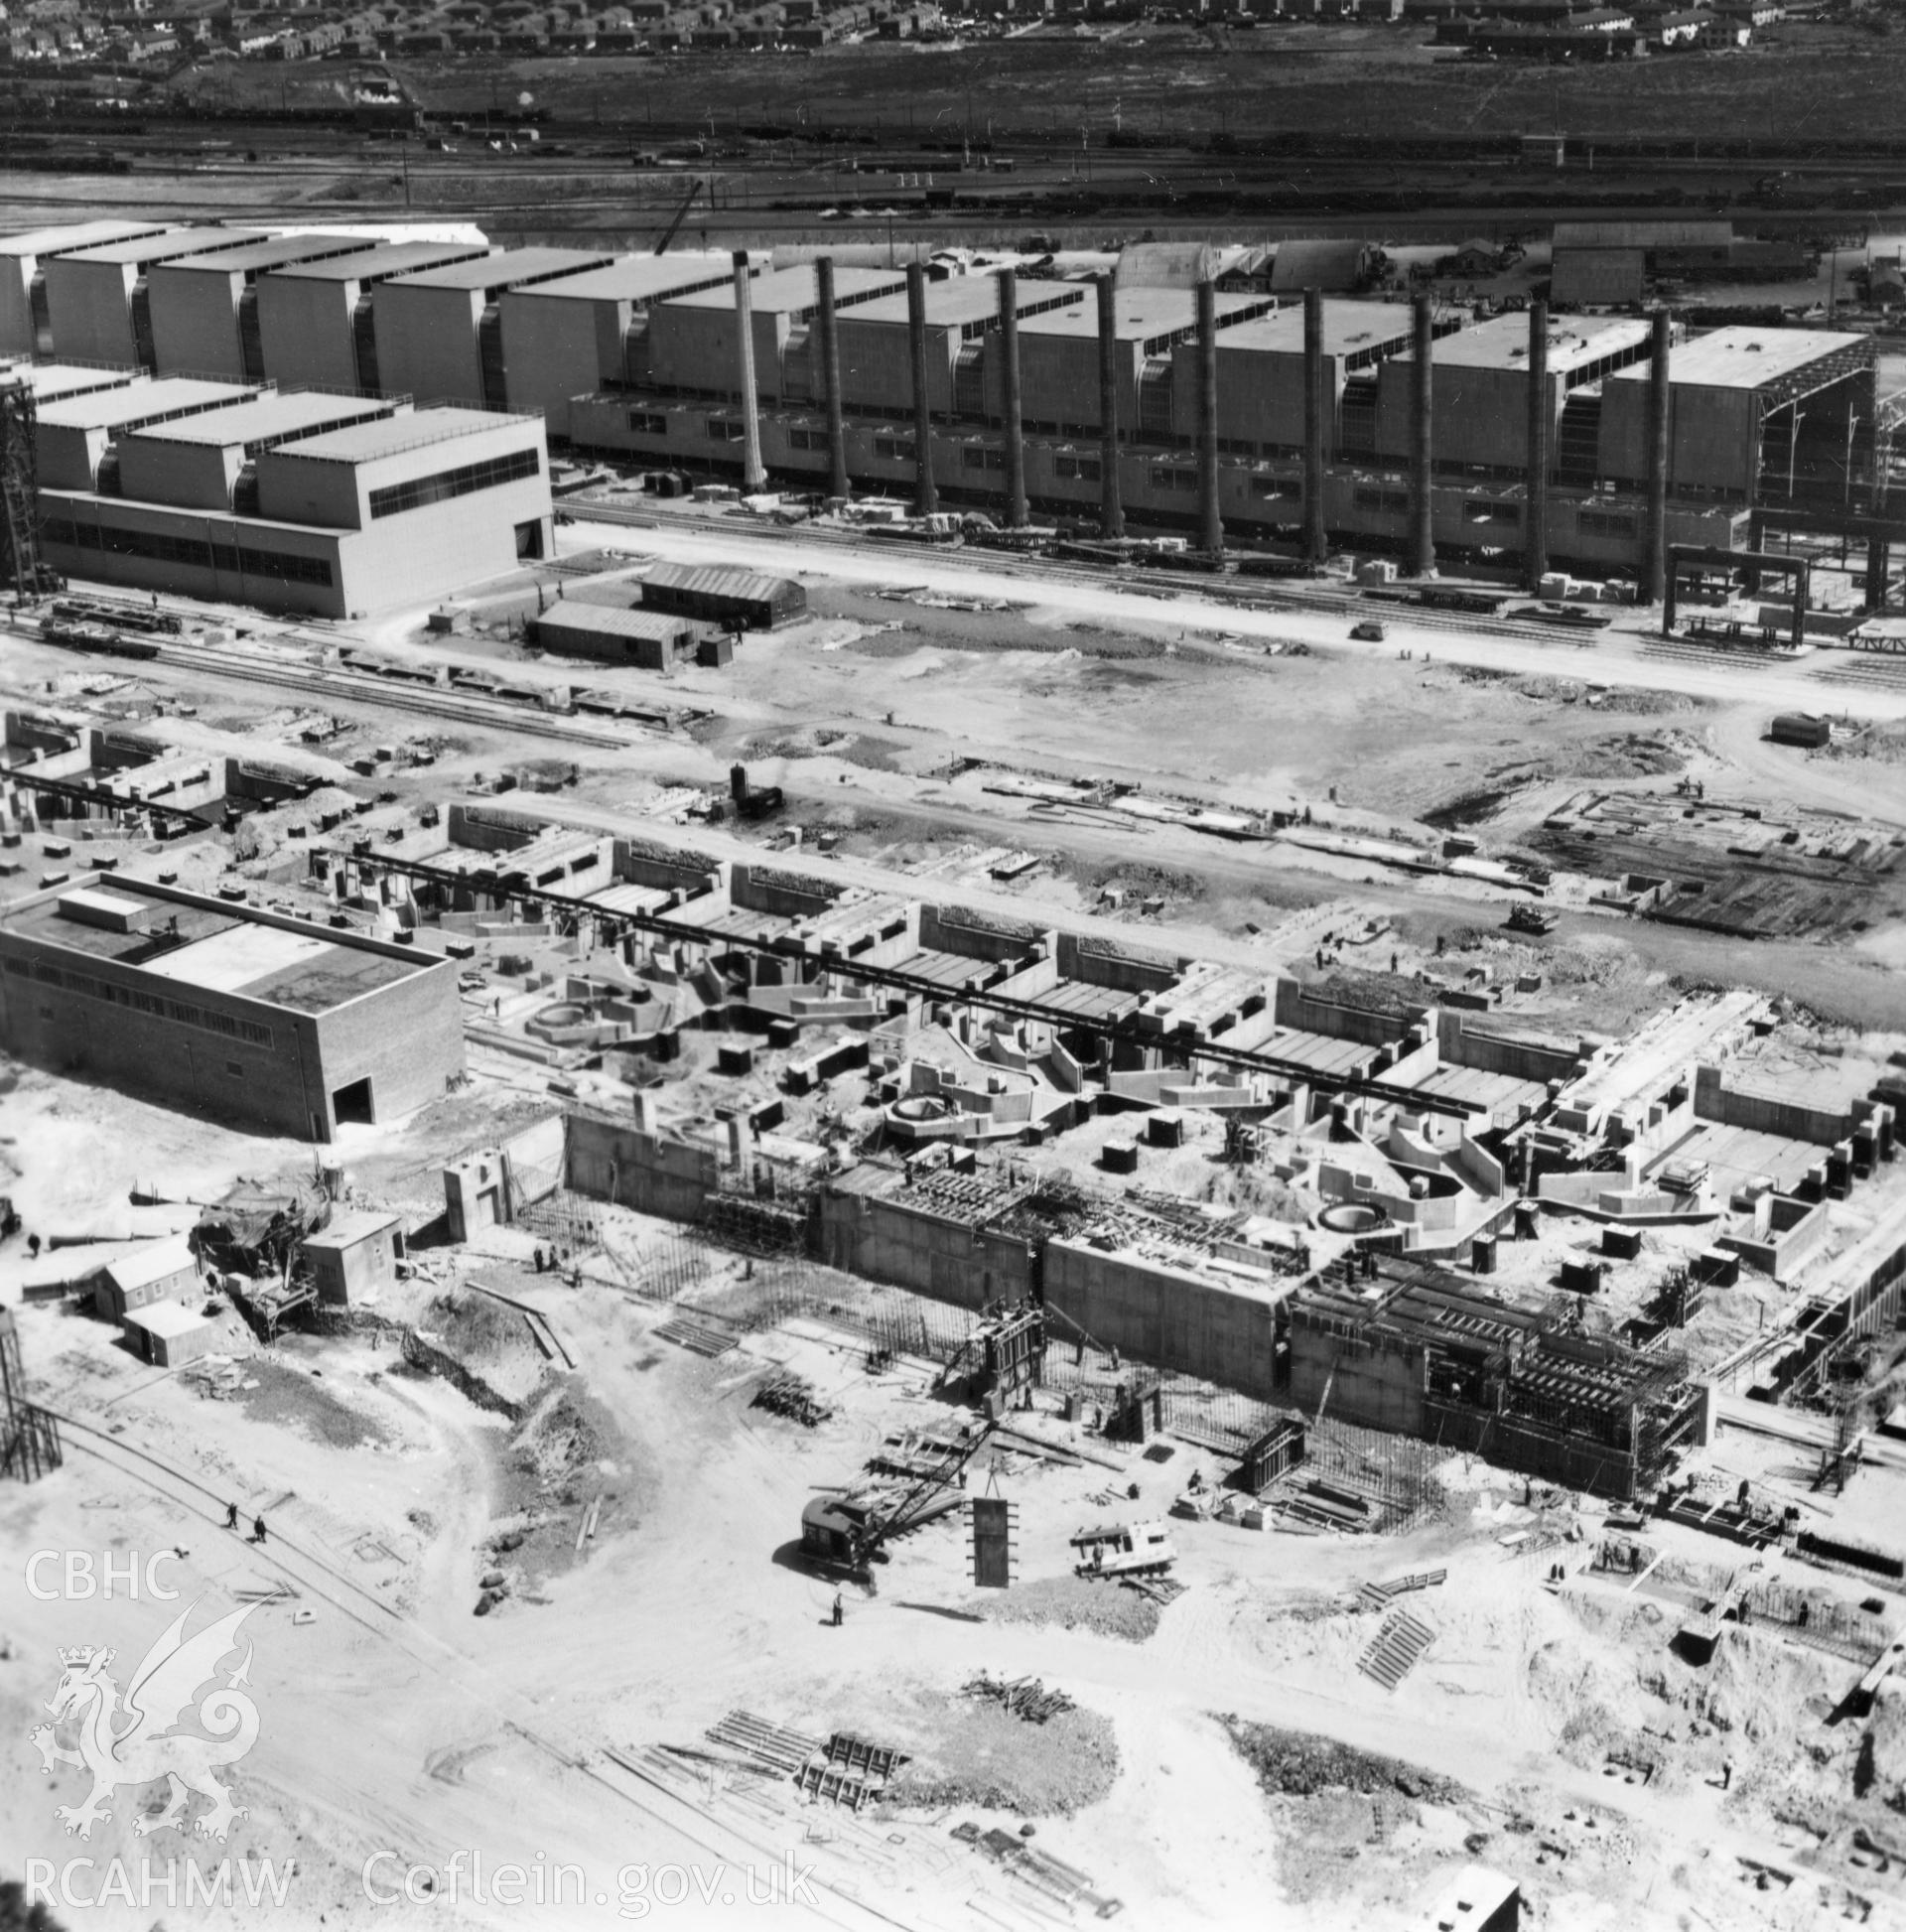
x: 642, y: 278
x: 151, y: 1261
x: 1319, y: 265
x: 141, y: 403
x: 1142, y: 314
x: 167, y: 247
x: 48, y: 382
x: 783, y: 290
x: 718, y: 579
x: 1642, y: 234
x: 973, y: 298
x: 512, y: 268
x: 1348, y: 328
x: 389, y: 435
x: 1600, y: 275
x: 274, y: 251
x: 1573, y: 340
x: 1748, y: 356
x: 387, y: 258
x: 608, y: 621
x: 268, y: 419
x: 79, y: 234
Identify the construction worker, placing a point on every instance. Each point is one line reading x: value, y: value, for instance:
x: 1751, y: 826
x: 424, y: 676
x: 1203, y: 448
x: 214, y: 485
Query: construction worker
x: 840, y: 1610
x: 1727, y: 1773
x: 257, y: 1529
x: 231, y: 1516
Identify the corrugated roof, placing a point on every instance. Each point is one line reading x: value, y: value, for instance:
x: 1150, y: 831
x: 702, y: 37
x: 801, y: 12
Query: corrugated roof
x: 609, y: 621
x: 1598, y: 275
x: 718, y: 579
x: 1317, y: 264
x: 1643, y: 235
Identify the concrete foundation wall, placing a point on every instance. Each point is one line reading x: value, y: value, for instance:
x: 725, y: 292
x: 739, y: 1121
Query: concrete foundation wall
x: 951, y: 928
x: 1164, y: 1318
x: 653, y: 1176
x: 1378, y: 1388
x: 1716, y: 1101
x: 1461, y: 1043
x: 1307, y: 1013
x: 1101, y: 962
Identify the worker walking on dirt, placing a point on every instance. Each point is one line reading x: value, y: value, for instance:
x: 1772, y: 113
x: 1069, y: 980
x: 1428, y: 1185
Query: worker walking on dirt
x: 1727, y: 1773
x: 840, y: 1610
x: 231, y: 1516
x: 257, y: 1529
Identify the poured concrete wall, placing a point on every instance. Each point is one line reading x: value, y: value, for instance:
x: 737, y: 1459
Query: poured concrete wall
x: 1378, y: 1385
x: 1461, y: 1044
x: 1165, y: 1317
x: 653, y: 1176
x: 1716, y: 1101
x: 1309, y: 1014
x: 1102, y: 962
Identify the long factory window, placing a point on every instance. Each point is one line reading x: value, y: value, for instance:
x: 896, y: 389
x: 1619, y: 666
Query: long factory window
x: 394, y: 498
x: 205, y: 1018
x: 157, y: 547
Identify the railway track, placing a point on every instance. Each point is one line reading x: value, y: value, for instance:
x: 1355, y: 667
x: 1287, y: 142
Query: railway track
x: 624, y: 1780
x: 314, y: 682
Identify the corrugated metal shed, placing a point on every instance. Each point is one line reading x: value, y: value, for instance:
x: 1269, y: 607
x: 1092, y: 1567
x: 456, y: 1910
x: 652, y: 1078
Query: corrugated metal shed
x: 1329, y: 265
x: 1591, y: 277
x: 718, y: 592
x: 1643, y: 235
x: 651, y: 639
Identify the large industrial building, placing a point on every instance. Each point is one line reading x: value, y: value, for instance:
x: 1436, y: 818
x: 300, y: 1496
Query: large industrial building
x: 296, y: 502
x: 1119, y: 408
x: 26, y: 323
x: 205, y: 308
x: 315, y: 318
x: 267, y: 1022
x: 439, y: 332
x: 99, y: 300
x: 578, y: 334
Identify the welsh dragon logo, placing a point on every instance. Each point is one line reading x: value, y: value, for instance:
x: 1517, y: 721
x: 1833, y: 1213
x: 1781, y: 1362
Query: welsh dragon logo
x: 137, y: 1742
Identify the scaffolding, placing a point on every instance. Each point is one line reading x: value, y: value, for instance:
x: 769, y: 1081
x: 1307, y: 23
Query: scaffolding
x: 29, y: 1437
x: 21, y: 567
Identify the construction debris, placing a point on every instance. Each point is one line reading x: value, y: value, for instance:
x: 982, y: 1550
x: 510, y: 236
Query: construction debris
x: 791, y: 1396
x: 1023, y: 1696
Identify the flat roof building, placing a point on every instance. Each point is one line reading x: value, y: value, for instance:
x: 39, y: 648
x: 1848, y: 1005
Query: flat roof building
x: 100, y: 299
x: 1060, y: 358
x: 692, y: 340
x: 315, y: 318
x: 1755, y: 413
x: 651, y: 641
x: 167, y: 1336
x: 354, y: 1255
x: 75, y: 431
x: 26, y: 323
x: 270, y: 1023
x: 201, y: 462
x: 375, y: 513
x: 439, y: 332
x: 578, y: 334
x: 963, y: 368
x: 1479, y: 399
x: 53, y: 381
x: 205, y: 308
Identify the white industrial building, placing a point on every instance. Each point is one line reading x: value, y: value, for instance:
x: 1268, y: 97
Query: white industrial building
x: 583, y: 332
x: 77, y: 431
x: 385, y: 506
x: 26, y: 327
x: 205, y: 308
x: 314, y: 317
x: 98, y: 298
x: 440, y: 330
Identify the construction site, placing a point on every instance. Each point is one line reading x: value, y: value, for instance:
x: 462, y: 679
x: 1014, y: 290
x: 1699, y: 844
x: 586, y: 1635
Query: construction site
x: 775, y: 1193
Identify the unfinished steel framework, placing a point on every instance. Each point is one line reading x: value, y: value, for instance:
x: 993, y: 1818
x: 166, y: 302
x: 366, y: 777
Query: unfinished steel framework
x: 20, y: 567
x: 29, y: 1437
x: 1422, y: 1352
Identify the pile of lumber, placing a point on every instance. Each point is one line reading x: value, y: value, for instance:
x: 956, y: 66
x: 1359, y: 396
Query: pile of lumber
x: 1023, y: 1696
